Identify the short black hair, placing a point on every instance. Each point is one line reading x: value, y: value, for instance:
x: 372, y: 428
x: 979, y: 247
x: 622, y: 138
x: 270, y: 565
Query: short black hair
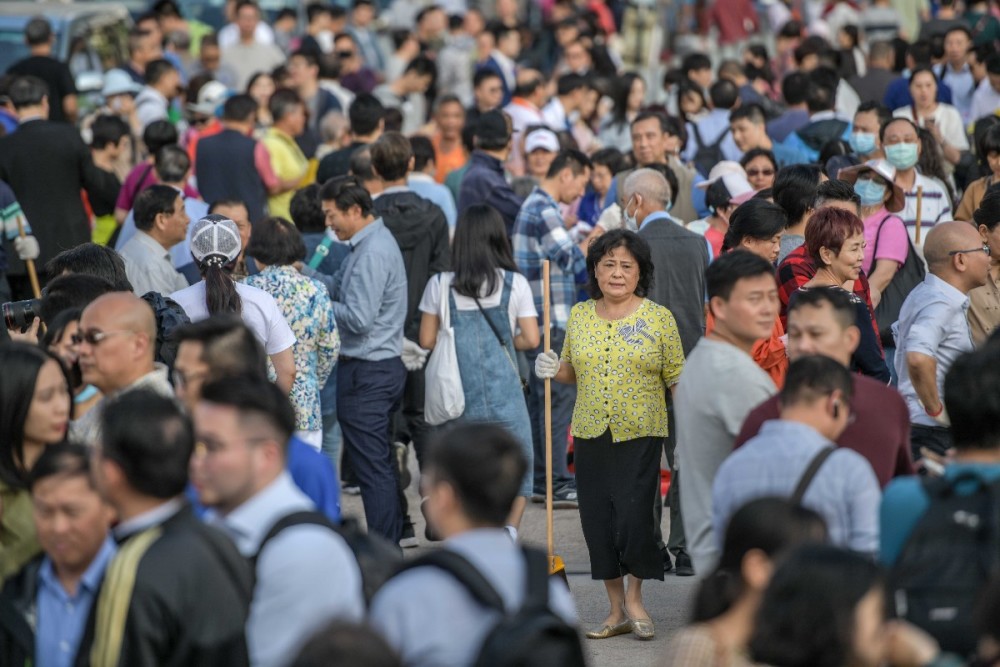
x: 637, y: 246
x: 423, y: 152
x: 793, y: 87
x: 345, y: 192
x: 391, y: 155
x: 365, y: 113
x: 71, y: 292
x: 972, y: 398
x: 172, y: 164
x: 276, y: 242
x: 27, y: 91
x: 571, y: 159
x: 157, y: 69
x: 881, y: 111
x: 150, y: 438
x: 64, y: 459
x: 724, y: 94
x: 253, y: 395
x: 756, y: 219
x: 753, y: 153
x: 37, y: 31
x: 839, y: 301
x: 282, y: 102
x: 315, y: 9
x: 643, y: 116
x: 94, y: 260
x: 612, y: 158
x: 836, y: 190
x: 820, y: 96
x: 795, y: 189
x: 228, y: 345
x: 483, y: 75
x: 108, y: 129
x: 727, y: 270
x: 989, y: 142
x: 307, y: 214
x: 695, y: 61
x: 751, y: 112
x: 813, y: 376
x: 151, y: 202
x: 161, y: 133
x: 342, y: 643
x: 484, y: 465
x: 568, y: 83
x: 421, y: 66
x: 239, y: 108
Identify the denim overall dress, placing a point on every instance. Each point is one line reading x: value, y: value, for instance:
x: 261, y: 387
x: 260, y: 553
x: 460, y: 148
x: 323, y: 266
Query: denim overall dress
x: 492, y: 387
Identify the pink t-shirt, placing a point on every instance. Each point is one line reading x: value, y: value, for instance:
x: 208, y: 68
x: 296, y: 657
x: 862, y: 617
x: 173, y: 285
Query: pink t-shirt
x: 140, y: 178
x: 893, y: 242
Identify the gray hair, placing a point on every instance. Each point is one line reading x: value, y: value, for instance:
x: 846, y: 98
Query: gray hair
x: 649, y: 183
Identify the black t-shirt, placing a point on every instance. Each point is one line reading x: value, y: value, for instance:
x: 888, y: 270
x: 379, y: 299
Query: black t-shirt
x: 54, y: 73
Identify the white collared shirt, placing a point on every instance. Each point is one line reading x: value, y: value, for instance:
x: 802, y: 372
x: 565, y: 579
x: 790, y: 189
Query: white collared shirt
x: 149, y: 266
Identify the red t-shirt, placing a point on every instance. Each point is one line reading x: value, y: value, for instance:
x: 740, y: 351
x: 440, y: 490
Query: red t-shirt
x: 880, y: 432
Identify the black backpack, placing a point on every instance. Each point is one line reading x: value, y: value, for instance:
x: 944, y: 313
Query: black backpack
x: 951, y: 555
x: 909, y: 275
x: 707, y: 155
x: 377, y: 559
x: 533, y: 636
x: 169, y: 318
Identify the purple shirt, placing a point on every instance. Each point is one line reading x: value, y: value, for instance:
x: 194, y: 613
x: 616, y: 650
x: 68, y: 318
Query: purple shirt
x: 141, y: 177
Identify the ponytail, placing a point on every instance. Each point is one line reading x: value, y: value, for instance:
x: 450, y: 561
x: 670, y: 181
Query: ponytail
x: 220, y: 289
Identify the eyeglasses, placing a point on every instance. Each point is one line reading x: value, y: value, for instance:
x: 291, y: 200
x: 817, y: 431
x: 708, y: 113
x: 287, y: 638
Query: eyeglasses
x: 985, y: 248
x: 182, y: 380
x: 760, y: 172
x: 93, y: 337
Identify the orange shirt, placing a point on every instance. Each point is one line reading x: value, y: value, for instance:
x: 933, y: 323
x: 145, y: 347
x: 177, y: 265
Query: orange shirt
x: 445, y: 163
x: 769, y: 353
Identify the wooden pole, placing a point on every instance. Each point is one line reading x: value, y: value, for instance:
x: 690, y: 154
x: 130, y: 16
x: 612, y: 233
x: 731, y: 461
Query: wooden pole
x: 30, y: 263
x: 920, y: 206
x: 546, y: 333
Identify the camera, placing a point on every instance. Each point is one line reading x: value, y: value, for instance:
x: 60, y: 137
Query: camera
x: 18, y: 315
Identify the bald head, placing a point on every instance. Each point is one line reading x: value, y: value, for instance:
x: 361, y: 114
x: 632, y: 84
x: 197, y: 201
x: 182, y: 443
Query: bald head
x: 954, y: 253
x: 651, y: 185
x: 119, y: 332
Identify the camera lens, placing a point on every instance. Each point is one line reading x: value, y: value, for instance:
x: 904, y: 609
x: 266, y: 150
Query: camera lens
x: 18, y: 315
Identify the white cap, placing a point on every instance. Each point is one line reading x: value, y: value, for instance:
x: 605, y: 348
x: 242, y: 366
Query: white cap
x: 542, y: 139
x: 210, y: 96
x: 215, y: 238
x: 720, y: 170
x: 118, y: 82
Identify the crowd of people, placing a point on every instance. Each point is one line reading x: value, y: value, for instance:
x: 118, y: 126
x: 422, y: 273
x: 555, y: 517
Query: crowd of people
x: 749, y: 252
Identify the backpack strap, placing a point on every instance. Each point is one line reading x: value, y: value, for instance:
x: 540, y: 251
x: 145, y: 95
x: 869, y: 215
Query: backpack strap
x: 464, y: 572
x: 697, y: 136
x: 810, y: 474
x: 722, y: 137
x: 305, y: 517
x: 536, y: 595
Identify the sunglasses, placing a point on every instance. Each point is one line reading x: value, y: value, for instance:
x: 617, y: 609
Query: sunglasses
x: 760, y: 172
x: 93, y: 337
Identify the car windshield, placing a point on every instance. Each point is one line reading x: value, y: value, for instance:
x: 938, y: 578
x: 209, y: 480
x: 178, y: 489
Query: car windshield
x: 12, y: 47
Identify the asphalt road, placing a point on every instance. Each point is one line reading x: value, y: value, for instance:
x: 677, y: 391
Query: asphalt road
x: 667, y: 601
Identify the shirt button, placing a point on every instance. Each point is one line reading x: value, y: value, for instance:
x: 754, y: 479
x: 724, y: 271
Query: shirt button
x: 64, y: 646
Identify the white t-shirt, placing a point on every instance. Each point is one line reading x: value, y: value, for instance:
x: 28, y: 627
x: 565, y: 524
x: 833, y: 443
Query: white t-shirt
x: 522, y: 303
x: 945, y: 117
x: 260, y: 312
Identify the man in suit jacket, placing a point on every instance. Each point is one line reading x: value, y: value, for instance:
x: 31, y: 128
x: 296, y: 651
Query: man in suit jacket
x: 680, y: 258
x: 47, y: 164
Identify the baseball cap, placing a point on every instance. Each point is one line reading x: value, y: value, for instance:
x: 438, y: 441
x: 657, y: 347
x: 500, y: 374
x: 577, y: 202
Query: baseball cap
x: 210, y: 97
x: 881, y: 167
x: 720, y: 170
x: 215, y: 240
x: 541, y: 140
x: 118, y: 82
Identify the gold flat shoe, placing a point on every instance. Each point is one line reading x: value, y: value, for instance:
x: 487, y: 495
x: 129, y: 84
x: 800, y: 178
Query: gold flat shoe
x: 622, y: 628
x: 642, y: 628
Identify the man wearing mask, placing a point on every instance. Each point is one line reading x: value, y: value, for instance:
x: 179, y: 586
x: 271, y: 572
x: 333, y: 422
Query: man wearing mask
x: 901, y: 143
x: 864, y: 139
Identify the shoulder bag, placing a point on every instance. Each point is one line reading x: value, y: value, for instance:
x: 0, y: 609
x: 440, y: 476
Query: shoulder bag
x: 444, y: 398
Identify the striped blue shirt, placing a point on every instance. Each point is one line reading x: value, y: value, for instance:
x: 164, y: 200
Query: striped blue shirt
x: 540, y: 234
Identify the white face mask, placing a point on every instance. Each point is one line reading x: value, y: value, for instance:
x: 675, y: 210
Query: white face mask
x: 630, y: 221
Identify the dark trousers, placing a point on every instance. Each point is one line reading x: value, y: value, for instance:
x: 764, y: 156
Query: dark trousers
x: 563, y: 399
x: 4, y: 298
x: 409, y: 426
x: 935, y: 438
x: 368, y: 395
x: 676, y: 542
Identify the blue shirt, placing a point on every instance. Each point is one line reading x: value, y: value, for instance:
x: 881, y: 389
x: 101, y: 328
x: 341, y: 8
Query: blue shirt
x: 788, y: 122
x: 425, y: 186
x: 962, y: 85
x: 711, y: 128
x: 61, y: 616
x: 369, y: 296
x: 905, y: 502
x: 933, y: 321
x: 845, y: 491
x: 539, y: 235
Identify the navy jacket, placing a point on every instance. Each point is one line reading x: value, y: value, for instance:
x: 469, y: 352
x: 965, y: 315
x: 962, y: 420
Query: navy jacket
x: 484, y: 183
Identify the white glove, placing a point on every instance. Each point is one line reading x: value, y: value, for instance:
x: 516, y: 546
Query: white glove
x: 26, y: 248
x: 547, y: 365
x: 610, y: 218
x: 414, y: 357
